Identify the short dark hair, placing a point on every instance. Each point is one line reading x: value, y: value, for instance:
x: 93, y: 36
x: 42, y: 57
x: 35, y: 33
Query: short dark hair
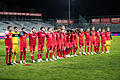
x: 42, y: 28
x: 49, y: 28
x: 33, y: 28
x: 68, y: 30
x: 15, y: 27
x: 88, y: 28
x: 9, y: 27
x: 55, y: 28
x: 98, y: 28
x: 23, y: 28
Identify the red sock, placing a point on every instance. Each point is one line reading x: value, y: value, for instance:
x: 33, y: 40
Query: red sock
x: 63, y: 53
x: 24, y: 56
x: 50, y: 55
x: 102, y: 48
x: 38, y: 56
x: 75, y: 50
x: 97, y: 49
x: 87, y: 49
x: 47, y: 55
x: 91, y: 48
x: 41, y: 56
x: 32, y: 57
x: 6, y: 58
x: 58, y: 53
x: 105, y: 48
x: 67, y: 52
x: 94, y: 49
x: 10, y: 56
x: 21, y: 56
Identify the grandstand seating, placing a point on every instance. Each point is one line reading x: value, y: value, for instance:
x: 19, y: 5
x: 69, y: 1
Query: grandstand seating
x: 20, y: 24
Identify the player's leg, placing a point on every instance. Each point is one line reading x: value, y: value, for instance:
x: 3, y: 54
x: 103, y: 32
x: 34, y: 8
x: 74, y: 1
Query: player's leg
x: 15, y: 50
x: 39, y: 52
x: 6, y: 57
x: 91, y: 48
x: 58, y: 51
x: 102, y: 46
x: 54, y: 50
x: 94, y: 43
x: 64, y: 52
x: 80, y: 49
x: 83, y: 46
x: 108, y: 45
x: 75, y: 49
x: 88, y: 43
x: 51, y: 52
x: 32, y: 54
x: 48, y: 49
x: 21, y: 54
x: 10, y: 55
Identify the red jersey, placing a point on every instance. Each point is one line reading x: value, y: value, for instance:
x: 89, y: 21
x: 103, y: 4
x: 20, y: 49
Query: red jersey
x: 23, y: 41
x: 108, y: 34
x: 67, y: 38
x: 32, y: 38
x: 93, y: 35
x: 41, y: 37
x: 87, y: 35
x: 49, y: 37
x: 54, y: 37
x: 61, y: 37
x: 98, y: 36
x: 103, y: 36
x: 8, y: 39
x: 74, y: 37
x: 58, y: 36
x: 81, y: 37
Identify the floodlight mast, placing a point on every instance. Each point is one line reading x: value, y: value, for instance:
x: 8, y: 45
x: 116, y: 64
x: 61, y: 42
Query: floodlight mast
x: 69, y: 4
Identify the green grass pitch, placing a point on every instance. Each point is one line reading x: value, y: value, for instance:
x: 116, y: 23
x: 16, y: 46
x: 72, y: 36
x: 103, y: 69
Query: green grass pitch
x: 92, y: 67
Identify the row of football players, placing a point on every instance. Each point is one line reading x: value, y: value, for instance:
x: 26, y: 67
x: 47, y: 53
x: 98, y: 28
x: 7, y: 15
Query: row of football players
x: 65, y: 44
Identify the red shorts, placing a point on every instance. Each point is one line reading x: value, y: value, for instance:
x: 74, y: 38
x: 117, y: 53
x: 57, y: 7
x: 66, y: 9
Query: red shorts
x: 49, y: 46
x: 62, y: 46
x: 74, y: 44
x: 67, y: 45
x: 87, y: 42
x: 71, y: 44
x: 81, y: 43
x: 92, y: 42
x: 32, y: 48
x: 97, y: 43
x: 58, y: 45
x: 9, y: 50
x: 54, y: 46
x: 23, y: 48
x: 103, y: 42
x: 40, y: 47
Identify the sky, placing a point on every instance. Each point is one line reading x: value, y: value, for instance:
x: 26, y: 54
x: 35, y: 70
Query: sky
x: 59, y: 8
